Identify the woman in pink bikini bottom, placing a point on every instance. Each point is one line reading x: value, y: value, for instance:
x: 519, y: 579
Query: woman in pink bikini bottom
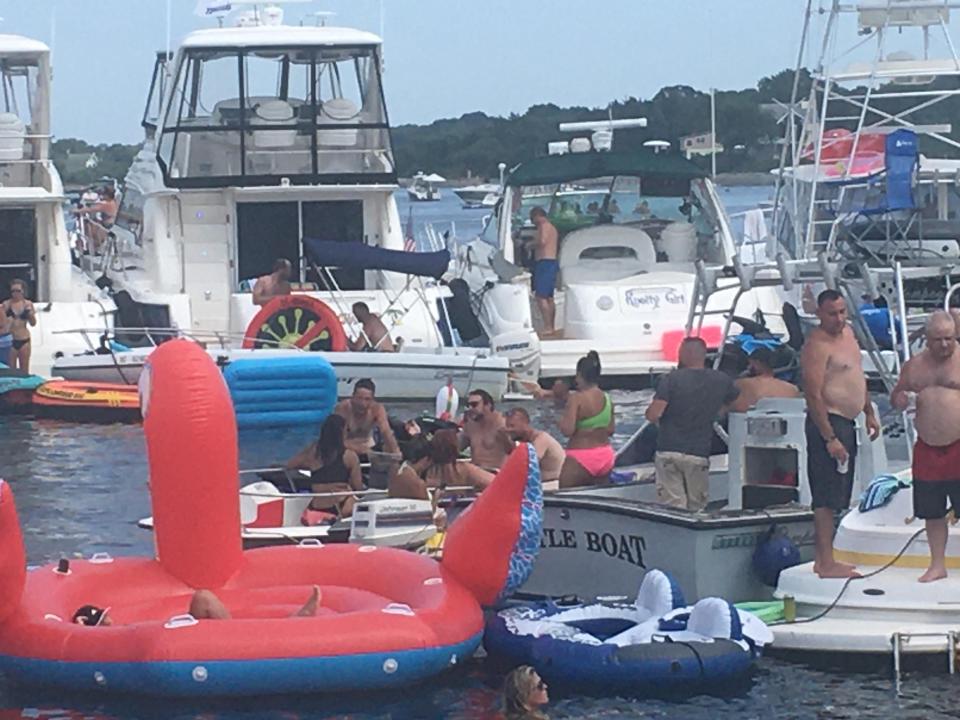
x: 589, y: 422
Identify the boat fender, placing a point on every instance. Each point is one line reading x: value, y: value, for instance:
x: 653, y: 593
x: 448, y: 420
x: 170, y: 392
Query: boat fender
x: 775, y: 553
x: 13, y: 563
x: 296, y: 320
x: 490, y: 548
x: 189, y: 423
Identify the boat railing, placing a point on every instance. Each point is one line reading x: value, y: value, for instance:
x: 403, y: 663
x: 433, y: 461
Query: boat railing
x: 158, y: 335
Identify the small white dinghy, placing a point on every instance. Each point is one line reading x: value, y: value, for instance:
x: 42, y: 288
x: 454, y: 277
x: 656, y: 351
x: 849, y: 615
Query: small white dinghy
x: 887, y: 611
x: 271, y: 517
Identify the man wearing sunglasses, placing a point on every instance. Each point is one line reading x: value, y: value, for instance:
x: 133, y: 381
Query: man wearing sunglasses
x: 484, y: 432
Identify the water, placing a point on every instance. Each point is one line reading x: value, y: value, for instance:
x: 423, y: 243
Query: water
x: 81, y: 489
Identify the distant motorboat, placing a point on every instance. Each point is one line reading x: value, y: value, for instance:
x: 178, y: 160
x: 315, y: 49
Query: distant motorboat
x: 484, y: 195
x: 424, y: 188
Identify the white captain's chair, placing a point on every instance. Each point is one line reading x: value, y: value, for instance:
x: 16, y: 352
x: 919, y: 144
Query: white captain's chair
x: 12, y: 135
x: 337, y: 111
x: 273, y: 112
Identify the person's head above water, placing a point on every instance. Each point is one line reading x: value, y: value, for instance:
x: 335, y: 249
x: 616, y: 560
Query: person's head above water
x: 93, y: 616
x: 588, y: 370
x: 524, y: 693
x: 941, y: 332
x: 693, y: 353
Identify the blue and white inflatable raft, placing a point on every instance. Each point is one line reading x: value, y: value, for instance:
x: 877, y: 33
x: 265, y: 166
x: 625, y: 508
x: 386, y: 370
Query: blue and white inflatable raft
x: 655, y: 644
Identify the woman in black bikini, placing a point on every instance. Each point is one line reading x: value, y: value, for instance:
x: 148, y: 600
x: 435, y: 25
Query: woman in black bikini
x: 19, y: 314
x: 333, y: 469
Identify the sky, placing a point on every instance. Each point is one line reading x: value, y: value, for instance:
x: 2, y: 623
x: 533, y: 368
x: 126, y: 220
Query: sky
x: 443, y: 58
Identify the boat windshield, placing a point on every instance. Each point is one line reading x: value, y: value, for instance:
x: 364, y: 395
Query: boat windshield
x: 676, y: 215
x: 158, y: 91
x: 256, y: 115
x: 24, y: 128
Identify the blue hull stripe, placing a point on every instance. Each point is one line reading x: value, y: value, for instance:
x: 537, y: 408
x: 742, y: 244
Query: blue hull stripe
x: 243, y: 677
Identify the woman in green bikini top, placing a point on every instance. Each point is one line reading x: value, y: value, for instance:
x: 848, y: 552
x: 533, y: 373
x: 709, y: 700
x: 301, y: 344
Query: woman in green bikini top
x: 589, y: 422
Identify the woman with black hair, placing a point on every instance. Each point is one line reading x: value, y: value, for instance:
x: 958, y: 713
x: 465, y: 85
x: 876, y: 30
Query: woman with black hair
x: 588, y: 421
x: 333, y: 469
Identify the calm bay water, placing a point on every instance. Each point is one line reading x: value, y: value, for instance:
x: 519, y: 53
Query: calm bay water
x: 81, y: 489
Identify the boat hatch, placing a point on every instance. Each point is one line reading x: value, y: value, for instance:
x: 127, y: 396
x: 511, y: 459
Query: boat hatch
x: 243, y: 116
x: 18, y: 248
x: 270, y: 230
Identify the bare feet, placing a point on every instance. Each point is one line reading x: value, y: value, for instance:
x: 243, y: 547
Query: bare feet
x: 932, y: 574
x: 836, y: 570
x: 310, y: 607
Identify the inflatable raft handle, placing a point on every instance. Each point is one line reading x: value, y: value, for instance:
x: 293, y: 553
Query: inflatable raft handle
x: 310, y: 543
x: 179, y: 621
x: 100, y: 558
x: 51, y: 616
x: 398, y: 609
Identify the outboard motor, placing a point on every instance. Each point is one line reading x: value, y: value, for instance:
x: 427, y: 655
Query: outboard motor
x: 505, y: 314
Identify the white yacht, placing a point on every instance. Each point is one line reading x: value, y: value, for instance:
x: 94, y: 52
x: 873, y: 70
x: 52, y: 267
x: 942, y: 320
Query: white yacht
x: 424, y: 188
x: 269, y: 141
x: 484, y: 195
x: 34, y: 243
x: 632, y: 228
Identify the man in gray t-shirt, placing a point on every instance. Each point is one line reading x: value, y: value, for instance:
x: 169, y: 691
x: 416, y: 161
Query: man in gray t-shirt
x: 686, y: 403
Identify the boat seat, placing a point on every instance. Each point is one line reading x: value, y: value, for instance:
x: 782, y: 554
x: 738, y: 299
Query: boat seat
x: 273, y: 112
x: 605, y: 253
x: 338, y: 111
x: 261, y: 505
x: 12, y: 135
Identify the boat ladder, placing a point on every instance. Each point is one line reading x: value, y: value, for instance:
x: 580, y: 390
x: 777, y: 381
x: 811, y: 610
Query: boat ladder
x: 899, y: 639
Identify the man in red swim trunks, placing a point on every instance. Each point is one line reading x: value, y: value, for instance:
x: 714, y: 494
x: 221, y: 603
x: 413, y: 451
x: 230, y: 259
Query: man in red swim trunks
x: 934, y: 375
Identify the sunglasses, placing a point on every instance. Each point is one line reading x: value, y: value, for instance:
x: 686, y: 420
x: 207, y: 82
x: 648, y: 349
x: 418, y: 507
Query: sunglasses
x: 474, y: 404
x: 541, y: 685
x: 16, y: 290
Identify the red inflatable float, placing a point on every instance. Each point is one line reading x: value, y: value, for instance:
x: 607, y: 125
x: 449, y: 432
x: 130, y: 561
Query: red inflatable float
x: 296, y: 320
x: 386, y: 617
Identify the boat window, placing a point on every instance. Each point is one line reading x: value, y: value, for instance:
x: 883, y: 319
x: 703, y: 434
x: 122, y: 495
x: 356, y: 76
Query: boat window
x: 23, y: 113
x: 157, y: 92
x: 610, y: 252
x: 301, y: 115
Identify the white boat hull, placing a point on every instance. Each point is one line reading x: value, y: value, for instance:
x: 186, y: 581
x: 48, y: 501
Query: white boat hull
x: 398, y: 376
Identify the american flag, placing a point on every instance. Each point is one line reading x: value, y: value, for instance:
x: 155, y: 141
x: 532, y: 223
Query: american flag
x: 409, y: 240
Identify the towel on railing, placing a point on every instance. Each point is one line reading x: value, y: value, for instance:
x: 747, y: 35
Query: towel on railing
x: 880, y: 492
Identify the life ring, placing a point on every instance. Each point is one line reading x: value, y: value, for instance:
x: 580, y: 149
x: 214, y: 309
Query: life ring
x: 297, y: 320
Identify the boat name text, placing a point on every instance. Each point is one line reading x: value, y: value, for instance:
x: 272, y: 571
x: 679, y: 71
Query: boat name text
x: 651, y: 298
x: 629, y: 548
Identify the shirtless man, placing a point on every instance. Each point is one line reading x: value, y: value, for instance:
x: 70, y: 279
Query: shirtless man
x: 484, y: 432
x: 836, y: 392
x: 761, y: 383
x: 934, y: 375
x: 550, y: 453
x: 374, y: 331
x: 275, y: 284
x: 545, y: 268
x: 106, y: 209
x: 363, y: 413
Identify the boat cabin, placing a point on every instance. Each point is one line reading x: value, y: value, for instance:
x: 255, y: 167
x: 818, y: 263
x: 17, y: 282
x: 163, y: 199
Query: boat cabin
x: 266, y: 105
x: 31, y: 193
x: 617, y: 214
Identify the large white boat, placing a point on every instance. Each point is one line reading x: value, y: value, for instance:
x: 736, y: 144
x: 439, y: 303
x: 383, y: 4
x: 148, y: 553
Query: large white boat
x: 484, y: 195
x: 630, y: 239
x: 269, y: 141
x: 34, y: 243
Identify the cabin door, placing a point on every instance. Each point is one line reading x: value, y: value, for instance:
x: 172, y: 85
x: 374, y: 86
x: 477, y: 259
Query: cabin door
x: 266, y: 232
x: 339, y: 221
x: 18, y: 249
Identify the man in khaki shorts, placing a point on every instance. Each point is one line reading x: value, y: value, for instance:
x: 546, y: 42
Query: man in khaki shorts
x: 685, y: 405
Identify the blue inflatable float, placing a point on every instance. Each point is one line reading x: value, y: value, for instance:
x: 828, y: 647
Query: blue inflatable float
x: 655, y: 644
x: 281, y: 390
